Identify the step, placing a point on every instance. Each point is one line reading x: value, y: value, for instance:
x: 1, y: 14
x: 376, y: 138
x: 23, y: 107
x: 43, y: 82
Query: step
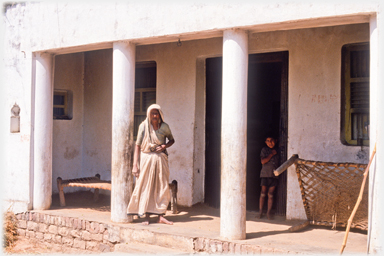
x: 141, y: 248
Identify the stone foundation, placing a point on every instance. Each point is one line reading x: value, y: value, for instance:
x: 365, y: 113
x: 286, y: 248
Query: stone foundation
x: 67, y: 231
x: 74, y: 233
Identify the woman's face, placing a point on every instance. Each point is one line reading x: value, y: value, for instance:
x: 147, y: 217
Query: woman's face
x: 155, y: 115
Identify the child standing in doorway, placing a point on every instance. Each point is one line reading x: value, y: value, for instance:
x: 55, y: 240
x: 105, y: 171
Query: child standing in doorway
x: 270, y: 162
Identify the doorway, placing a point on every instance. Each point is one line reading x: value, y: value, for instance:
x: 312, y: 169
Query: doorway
x: 267, y: 113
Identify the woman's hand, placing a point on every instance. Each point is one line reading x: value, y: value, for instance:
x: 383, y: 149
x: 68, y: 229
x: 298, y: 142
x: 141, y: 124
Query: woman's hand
x: 136, y: 171
x: 161, y: 148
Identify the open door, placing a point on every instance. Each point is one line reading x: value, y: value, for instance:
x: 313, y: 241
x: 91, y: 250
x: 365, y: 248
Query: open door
x: 267, y: 112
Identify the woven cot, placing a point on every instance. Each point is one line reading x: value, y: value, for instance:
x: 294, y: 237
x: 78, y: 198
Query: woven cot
x: 330, y: 192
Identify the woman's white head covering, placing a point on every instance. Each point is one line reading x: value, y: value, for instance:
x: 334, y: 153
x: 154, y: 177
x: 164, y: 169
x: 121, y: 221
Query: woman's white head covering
x: 150, y: 141
x: 155, y: 106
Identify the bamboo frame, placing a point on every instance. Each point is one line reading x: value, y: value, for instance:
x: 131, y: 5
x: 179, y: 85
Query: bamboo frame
x: 358, y: 201
x: 285, y: 165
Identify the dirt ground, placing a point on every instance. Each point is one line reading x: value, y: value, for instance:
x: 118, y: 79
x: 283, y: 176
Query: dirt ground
x: 26, y: 245
x: 83, y: 199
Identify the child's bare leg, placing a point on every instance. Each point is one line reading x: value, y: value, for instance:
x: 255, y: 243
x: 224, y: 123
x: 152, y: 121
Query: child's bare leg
x: 146, y: 222
x: 270, y: 202
x: 161, y: 219
x: 263, y: 194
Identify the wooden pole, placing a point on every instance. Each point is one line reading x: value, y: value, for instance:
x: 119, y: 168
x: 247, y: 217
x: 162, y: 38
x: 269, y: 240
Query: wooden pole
x: 358, y: 201
x: 285, y: 165
x: 61, y: 191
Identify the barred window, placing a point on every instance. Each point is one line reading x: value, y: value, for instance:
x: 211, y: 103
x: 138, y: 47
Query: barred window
x: 145, y: 91
x: 355, y: 94
x: 62, y: 105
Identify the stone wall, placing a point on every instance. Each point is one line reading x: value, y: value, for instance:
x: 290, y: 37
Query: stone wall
x: 67, y: 231
x: 72, y: 234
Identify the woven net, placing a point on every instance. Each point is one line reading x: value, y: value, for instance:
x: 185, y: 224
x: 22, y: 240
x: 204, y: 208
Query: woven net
x: 330, y: 192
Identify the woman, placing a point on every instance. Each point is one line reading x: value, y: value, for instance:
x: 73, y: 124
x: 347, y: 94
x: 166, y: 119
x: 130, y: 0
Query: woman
x: 151, y: 194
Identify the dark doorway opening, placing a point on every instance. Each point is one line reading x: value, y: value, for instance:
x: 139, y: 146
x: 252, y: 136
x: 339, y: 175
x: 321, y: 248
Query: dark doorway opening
x: 213, y: 131
x: 267, y: 113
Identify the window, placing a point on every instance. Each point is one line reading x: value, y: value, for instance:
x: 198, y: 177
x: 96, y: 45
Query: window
x: 145, y: 91
x: 355, y: 94
x: 62, y: 105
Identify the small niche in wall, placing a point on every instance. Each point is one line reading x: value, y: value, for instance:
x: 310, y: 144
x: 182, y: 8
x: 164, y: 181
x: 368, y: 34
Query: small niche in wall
x: 15, y: 119
x: 62, y: 105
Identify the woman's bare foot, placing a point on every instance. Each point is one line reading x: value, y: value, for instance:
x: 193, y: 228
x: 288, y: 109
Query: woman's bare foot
x: 269, y: 216
x: 146, y: 222
x: 164, y: 220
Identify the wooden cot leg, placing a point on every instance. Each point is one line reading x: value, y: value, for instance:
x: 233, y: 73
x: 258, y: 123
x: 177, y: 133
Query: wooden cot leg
x: 61, y: 191
x: 172, y: 201
x: 96, y: 192
x: 174, y: 197
x: 96, y: 195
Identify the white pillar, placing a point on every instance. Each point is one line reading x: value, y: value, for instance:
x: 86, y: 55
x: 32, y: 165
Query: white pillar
x: 376, y: 175
x: 234, y: 135
x: 122, y: 128
x: 42, y: 142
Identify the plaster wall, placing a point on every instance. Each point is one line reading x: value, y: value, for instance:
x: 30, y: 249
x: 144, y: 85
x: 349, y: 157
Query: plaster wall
x: 17, y: 88
x: 315, y: 101
x: 82, y: 146
x: 84, y: 23
x: 314, y: 80
x: 67, y: 146
x: 97, y: 127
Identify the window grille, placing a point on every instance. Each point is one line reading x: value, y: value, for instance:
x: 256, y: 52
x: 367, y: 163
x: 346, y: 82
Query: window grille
x: 355, y: 94
x: 62, y: 105
x: 145, y: 91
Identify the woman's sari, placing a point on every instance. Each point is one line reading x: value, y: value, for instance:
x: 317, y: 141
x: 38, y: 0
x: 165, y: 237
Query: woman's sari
x: 151, y: 193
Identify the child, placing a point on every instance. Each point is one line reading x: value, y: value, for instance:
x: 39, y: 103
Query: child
x: 270, y: 162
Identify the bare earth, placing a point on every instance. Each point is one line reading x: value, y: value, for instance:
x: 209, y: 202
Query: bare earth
x: 25, y: 245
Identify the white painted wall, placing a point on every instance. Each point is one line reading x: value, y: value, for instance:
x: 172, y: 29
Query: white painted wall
x: 67, y: 145
x: 82, y: 146
x: 83, y: 23
x: 314, y: 80
x: 97, y: 126
x: 16, y: 147
x: 314, y: 101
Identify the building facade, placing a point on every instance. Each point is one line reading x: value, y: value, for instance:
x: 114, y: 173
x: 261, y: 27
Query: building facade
x: 77, y: 78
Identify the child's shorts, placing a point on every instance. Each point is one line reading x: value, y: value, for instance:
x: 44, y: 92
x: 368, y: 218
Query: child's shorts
x: 269, y: 182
